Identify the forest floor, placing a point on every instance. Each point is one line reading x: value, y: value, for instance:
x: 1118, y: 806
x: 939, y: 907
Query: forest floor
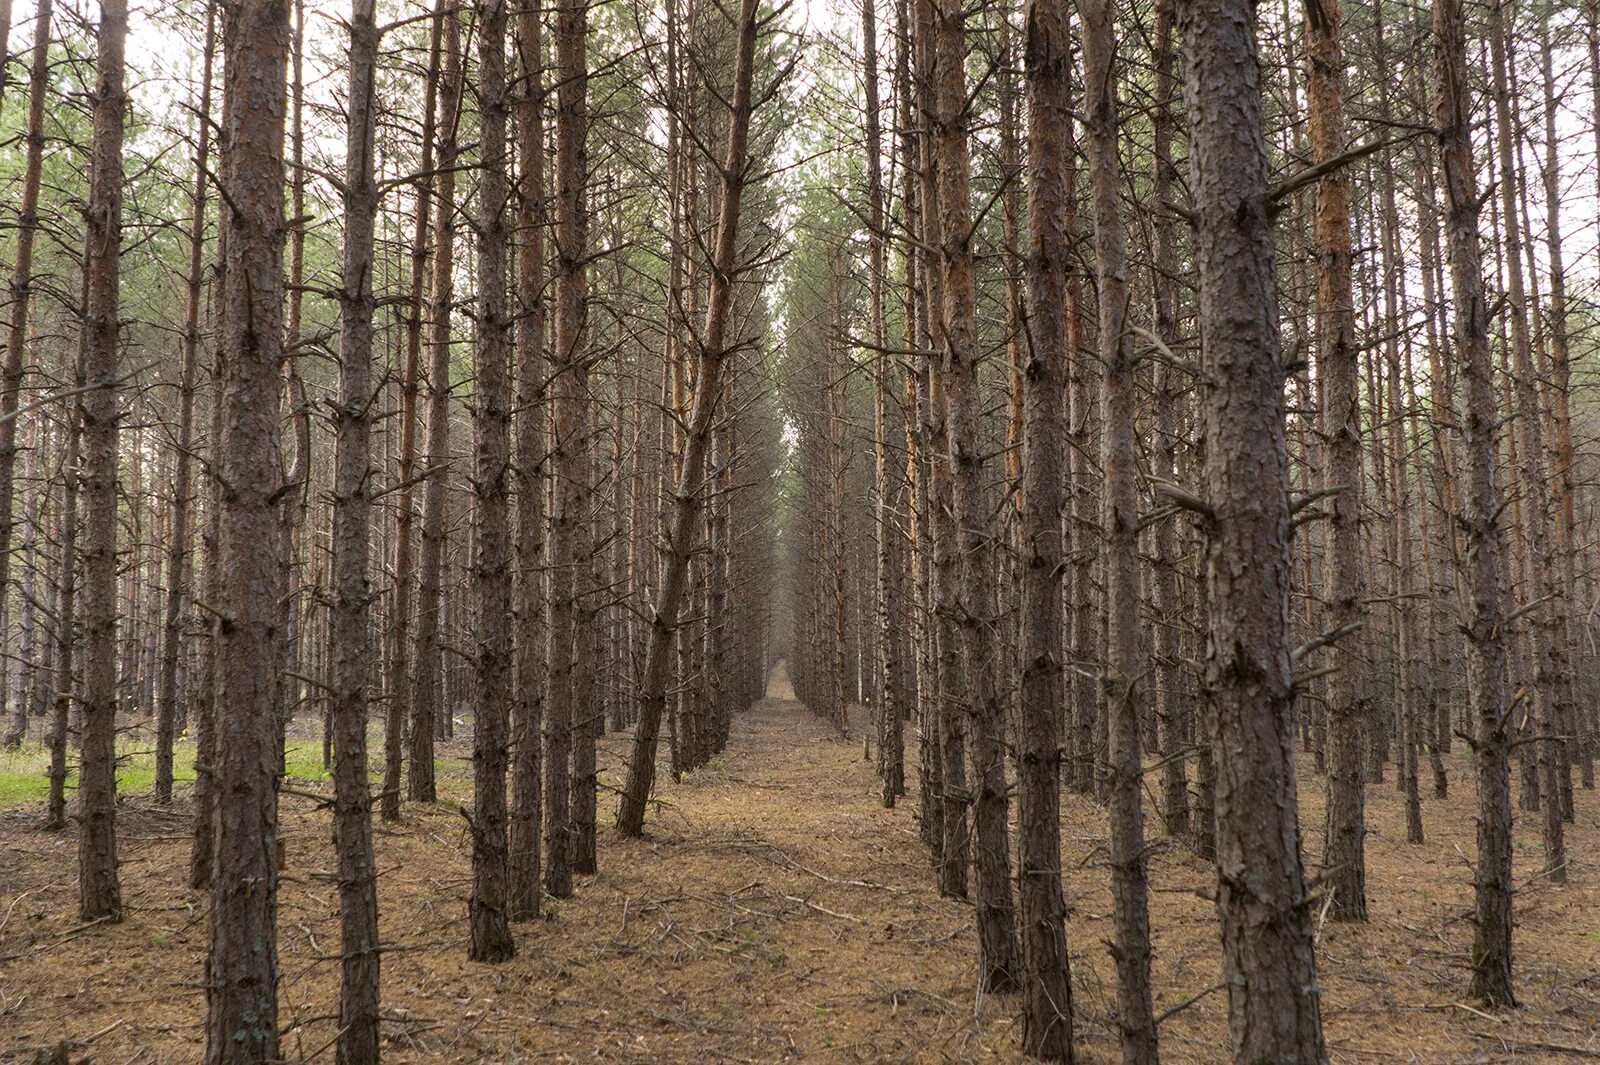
x: 775, y: 913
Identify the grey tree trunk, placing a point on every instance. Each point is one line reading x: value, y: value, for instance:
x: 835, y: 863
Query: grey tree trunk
x: 427, y: 710
x: 488, y: 906
x: 1485, y: 609
x: 531, y: 646
x: 1262, y: 895
x: 242, y: 972
x: 99, y: 891
x: 1047, y: 984
x: 1122, y: 692
x: 349, y: 626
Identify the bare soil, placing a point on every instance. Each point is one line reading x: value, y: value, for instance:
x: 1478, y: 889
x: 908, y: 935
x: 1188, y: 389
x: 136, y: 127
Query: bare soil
x: 776, y: 913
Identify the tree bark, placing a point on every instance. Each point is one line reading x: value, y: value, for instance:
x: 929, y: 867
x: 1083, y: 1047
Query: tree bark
x: 348, y: 624
x: 242, y: 974
x: 99, y: 892
x: 1262, y: 896
x: 489, y: 906
x: 397, y: 714
x: 999, y: 966
x: 567, y: 772
x: 14, y: 364
x: 1047, y: 984
x: 427, y: 708
x: 526, y: 796
x: 1485, y: 609
x: 1123, y: 695
x: 178, y: 562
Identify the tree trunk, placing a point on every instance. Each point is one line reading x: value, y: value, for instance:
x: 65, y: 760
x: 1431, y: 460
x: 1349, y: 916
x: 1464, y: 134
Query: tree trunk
x: 1543, y: 587
x: 999, y: 968
x: 567, y: 713
x: 13, y: 366
x: 178, y: 563
x: 713, y: 352
x: 428, y: 708
x: 348, y: 623
x: 1485, y: 611
x: 398, y: 711
x: 1344, y: 848
x: 488, y: 907
x: 242, y: 973
x: 1262, y: 897
x: 99, y: 893
x: 1121, y: 688
x: 1047, y: 985
x: 526, y: 782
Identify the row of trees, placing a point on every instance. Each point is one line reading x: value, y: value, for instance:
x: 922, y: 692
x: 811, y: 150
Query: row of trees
x: 1276, y: 441
x: 415, y: 417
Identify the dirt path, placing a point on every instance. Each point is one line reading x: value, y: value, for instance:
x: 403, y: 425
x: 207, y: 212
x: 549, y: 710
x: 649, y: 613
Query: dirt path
x: 776, y: 913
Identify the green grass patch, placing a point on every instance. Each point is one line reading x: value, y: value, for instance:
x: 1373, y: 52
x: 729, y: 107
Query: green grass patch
x: 25, y: 772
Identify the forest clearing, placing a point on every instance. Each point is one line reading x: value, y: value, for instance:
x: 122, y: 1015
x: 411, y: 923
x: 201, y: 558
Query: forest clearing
x: 776, y: 913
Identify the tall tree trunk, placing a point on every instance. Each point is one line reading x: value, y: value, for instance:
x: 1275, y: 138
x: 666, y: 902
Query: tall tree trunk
x: 398, y: 711
x: 890, y: 615
x: 428, y: 708
x: 566, y: 712
x: 526, y: 779
x: 1576, y: 720
x: 1344, y: 844
x: 348, y: 623
x: 1262, y: 897
x: 14, y: 364
x: 713, y: 352
x: 178, y: 563
x: 999, y: 968
x: 943, y: 562
x: 1047, y: 984
x: 1121, y: 688
x: 242, y: 972
x: 1543, y: 587
x: 66, y: 616
x: 99, y: 893
x: 1485, y: 610
x: 489, y: 907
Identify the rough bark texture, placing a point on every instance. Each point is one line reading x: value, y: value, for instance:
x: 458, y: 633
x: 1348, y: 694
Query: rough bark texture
x: 1262, y: 896
x: 943, y: 577
x: 241, y: 974
x: 527, y: 810
x: 1121, y: 687
x: 566, y: 710
x: 1047, y: 986
x: 1344, y: 849
x: 348, y: 626
x: 425, y: 700
x: 1479, y: 517
x: 99, y: 893
x: 999, y: 965
x: 488, y: 906
x: 1175, y: 717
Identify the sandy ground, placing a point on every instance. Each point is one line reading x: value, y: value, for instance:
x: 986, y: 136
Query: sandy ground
x: 775, y: 913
